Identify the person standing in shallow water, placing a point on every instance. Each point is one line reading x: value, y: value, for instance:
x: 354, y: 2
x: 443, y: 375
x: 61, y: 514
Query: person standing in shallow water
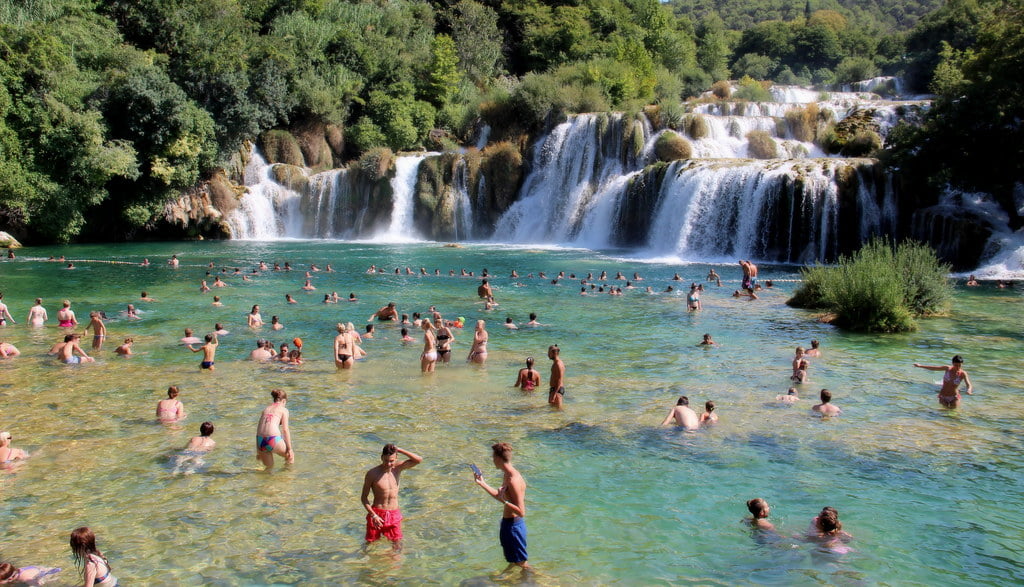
x: 95, y: 568
x: 382, y: 514
x: 556, y: 387
x: 273, y: 436
x: 952, y: 379
x: 512, y: 495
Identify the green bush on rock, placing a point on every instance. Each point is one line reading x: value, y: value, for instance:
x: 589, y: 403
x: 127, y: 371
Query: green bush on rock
x: 672, y: 147
x: 880, y: 288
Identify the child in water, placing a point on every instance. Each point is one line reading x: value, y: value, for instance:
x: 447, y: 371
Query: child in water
x: 709, y: 416
x: 759, y: 510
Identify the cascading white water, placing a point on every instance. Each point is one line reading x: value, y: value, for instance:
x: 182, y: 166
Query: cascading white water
x: 268, y: 210
x: 403, y: 186
x: 463, y: 207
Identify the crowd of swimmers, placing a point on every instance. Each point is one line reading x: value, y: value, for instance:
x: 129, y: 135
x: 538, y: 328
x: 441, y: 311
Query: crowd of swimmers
x: 383, y: 518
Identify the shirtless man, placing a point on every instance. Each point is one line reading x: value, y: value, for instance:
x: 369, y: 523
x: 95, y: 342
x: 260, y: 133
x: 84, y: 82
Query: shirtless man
x: 814, y: 351
x: 386, y: 313
x: 791, y: 397
x: 556, y: 387
x: 484, y: 291
x: 144, y: 297
x: 528, y: 378
x: 37, y: 313
x: 66, y: 354
x: 683, y: 415
x: 512, y: 495
x: 382, y: 514
x: 173, y: 261
x: 209, y: 351
x: 261, y: 353
x: 826, y: 407
x: 190, y: 338
x: 99, y: 330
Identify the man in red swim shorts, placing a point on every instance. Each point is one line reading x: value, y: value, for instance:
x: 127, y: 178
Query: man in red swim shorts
x: 383, y: 515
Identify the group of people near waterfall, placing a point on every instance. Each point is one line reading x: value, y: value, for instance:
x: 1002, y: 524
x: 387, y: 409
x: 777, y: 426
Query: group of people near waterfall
x: 380, y: 491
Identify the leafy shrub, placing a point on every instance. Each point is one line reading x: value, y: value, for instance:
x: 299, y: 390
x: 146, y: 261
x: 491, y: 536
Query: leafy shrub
x: 855, y: 69
x: 672, y: 147
x: 721, y: 89
x: 863, y: 144
x: 761, y: 145
x: 752, y: 90
x: 880, y: 288
x: 754, y: 65
x: 803, y: 122
x: 376, y: 162
x: 279, y: 146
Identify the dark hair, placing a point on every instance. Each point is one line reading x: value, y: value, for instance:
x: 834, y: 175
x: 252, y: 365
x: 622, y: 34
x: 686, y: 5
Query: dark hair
x: 278, y: 394
x: 533, y: 316
x: 957, y: 359
x: 369, y: 327
x: 554, y: 348
x: 828, y: 521
x: 405, y: 331
x: 83, y: 544
x: 209, y: 338
x: 388, y: 450
x: 756, y: 507
x: 709, y: 406
x: 503, y: 451
x: 206, y: 429
x: 815, y: 343
x: 529, y: 361
x: 172, y: 391
x: 8, y: 572
x: 683, y: 401
x: 826, y: 396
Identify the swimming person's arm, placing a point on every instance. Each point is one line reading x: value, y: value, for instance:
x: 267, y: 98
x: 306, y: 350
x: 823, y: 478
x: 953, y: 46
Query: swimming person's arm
x: 668, y: 419
x: 930, y: 368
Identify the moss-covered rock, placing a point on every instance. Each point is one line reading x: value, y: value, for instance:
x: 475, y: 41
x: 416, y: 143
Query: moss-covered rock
x: 224, y: 193
x: 502, y: 169
x: 8, y: 242
x: 376, y: 163
x: 697, y: 127
x: 761, y: 145
x: 279, y: 146
x: 672, y: 147
x: 335, y: 136
x: 312, y: 140
x: 291, y: 177
x: 857, y: 135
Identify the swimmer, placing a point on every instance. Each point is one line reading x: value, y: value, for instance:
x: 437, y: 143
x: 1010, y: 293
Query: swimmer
x: 954, y: 377
x: 218, y: 282
x: 173, y: 261
x: 528, y: 379
x: 428, y: 360
x: 37, y: 314
x: 308, y: 286
x: 57, y: 346
x: 66, y: 354
x: 31, y: 575
x: 125, y: 349
x: 445, y: 338
x: 254, y: 319
x: 209, y: 350
x: 510, y: 324
x: 218, y: 329
x: 144, y: 297
x: 759, y: 510
x: 131, y: 313
x: 382, y: 514
x: 478, y: 352
x: 709, y: 416
x: 314, y: 268
x: 335, y: 298
x: 512, y: 495
x: 800, y: 375
x: 533, y: 320
x: 405, y: 336
x: 386, y: 313
x: 275, y: 324
x: 282, y: 353
x: 203, y: 288
x: 190, y: 337
x: 99, y: 330
x: 293, y: 357
x: 352, y: 297
x: 8, y: 454
x: 344, y: 354
x: 676, y: 277
x: 790, y: 397
x: 826, y: 407
x: 693, y: 298
x: 484, y: 291
x: 8, y: 350
x: 636, y: 277
x: 707, y: 341
x: 814, y: 351
x: 5, y: 313
x: 273, y: 436
x: 712, y: 275
x: 972, y: 281
x: 683, y: 415
x: 261, y: 352
x: 370, y: 330
x: 556, y: 385
x: 798, y: 356
x: 328, y: 268
x: 828, y: 530
x: 95, y: 568
x: 170, y: 409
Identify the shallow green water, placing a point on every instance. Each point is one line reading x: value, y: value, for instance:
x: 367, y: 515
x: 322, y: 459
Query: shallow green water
x: 929, y: 495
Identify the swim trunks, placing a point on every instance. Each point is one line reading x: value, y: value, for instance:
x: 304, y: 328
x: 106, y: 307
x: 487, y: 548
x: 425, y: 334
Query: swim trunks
x: 206, y: 364
x: 513, y: 539
x: 267, y: 443
x: 392, y: 528
x: 559, y: 391
x: 73, y: 360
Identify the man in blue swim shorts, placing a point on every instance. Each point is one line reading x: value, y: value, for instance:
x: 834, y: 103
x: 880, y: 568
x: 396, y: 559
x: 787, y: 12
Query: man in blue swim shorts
x: 512, y: 494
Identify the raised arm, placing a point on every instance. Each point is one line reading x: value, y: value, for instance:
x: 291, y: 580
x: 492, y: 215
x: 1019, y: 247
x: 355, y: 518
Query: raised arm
x: 413, y: 460
x: 930, y: 368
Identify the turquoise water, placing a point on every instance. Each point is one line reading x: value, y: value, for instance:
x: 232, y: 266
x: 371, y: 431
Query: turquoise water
x: 929, y: 495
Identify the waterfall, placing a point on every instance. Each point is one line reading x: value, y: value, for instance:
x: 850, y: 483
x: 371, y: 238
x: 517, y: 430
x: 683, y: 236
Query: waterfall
x: 403, y: 185
x: 463, y: 207
x: 268, y: 210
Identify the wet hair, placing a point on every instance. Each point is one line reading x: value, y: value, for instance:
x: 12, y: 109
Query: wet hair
x: 709, y: 406
x: 800, y: 349
x: 803, y: 364
x: 529, y: 361
x: 172, y: 391
x: 388, y: 450
x: 254, y: 308
x: 83, y: 544
x: 69, y: 337
x: 369, y: 327
x: 278, y: 394
x: 826, y: 396
x: 508, y: 320
x: 792, y: 391
x: 815, y: 343
x: 683, y: 401
x: 206, y: 429
x: 143, y: 295
x: 189, y: 331
x: 957, y: 359
x: 8, y: 572
x: 828, y: 521
x: 757, y: 507
x: 216, y: 298
x: 40, y: 300
x: 503, y: 451
x: 533, y: 316
x: 208, y: 338
x: 707, y: 336
x: 219, y: 326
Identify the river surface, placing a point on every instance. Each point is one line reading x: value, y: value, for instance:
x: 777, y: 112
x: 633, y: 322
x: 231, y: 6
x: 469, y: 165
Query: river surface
x: 931, y: 496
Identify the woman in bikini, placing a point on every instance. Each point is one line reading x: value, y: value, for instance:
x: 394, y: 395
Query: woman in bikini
x: 428, y: 360
x: 344, y: 348
x: 37, y: 313
x: 255, y: 320
x: 8, y: 454
x: 478, y: 353
x: 170, y: 409
x: 272, y: 433
x: 445, y: 338
x: 95, y: 568
x: 949, y: 394
x: 528, y: 378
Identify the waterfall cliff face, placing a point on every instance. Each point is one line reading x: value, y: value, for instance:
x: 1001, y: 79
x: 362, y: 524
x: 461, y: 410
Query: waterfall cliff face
x: 755, y: 182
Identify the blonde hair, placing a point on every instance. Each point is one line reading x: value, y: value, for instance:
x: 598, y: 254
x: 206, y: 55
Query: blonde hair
x: 342, y: 327
x: 5, y: 436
